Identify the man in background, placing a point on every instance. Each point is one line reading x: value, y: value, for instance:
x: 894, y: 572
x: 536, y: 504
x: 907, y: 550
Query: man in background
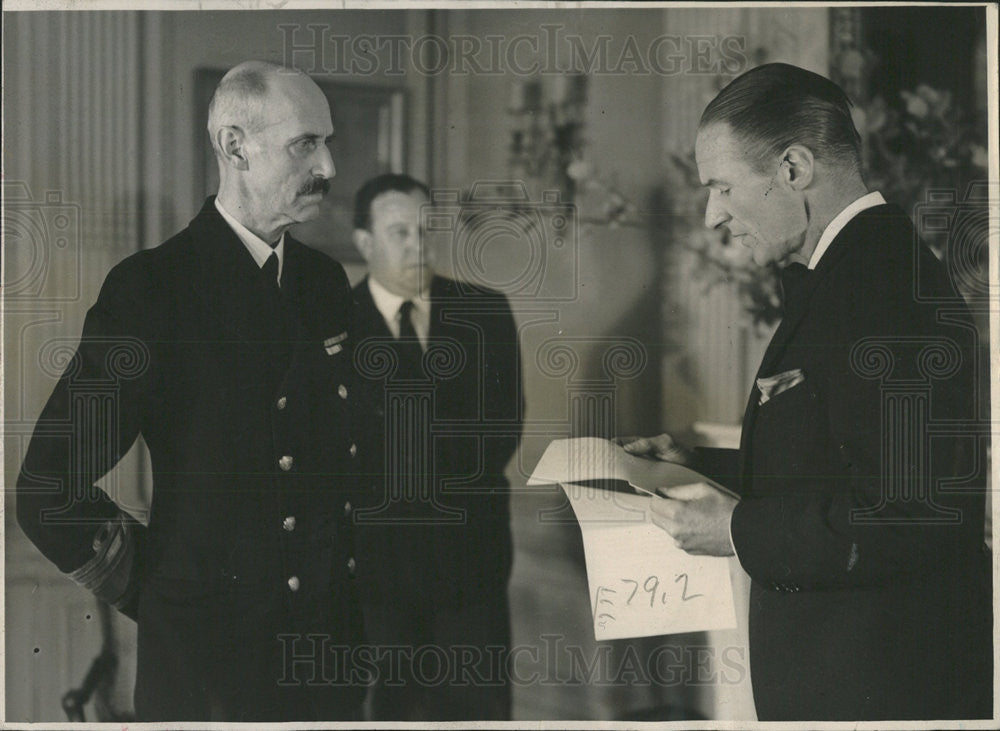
x: 444, y: 424
x: 223, y: 348
x: 863, y: 536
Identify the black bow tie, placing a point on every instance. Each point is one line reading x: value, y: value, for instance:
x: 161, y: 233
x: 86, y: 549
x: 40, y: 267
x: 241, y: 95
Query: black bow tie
x: 793, y: 278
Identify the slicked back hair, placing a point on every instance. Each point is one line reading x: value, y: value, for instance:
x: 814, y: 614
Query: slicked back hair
x: 375, y: 187
x: 774, y: 106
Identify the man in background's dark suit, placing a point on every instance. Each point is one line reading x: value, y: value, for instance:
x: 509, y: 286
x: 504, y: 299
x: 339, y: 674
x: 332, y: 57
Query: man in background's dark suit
x: 224, y: 348
x: 870, y: 594
x: 442, y: 427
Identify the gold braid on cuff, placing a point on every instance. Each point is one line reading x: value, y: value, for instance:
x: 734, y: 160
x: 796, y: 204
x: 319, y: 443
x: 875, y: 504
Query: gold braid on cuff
x: 106, y: 575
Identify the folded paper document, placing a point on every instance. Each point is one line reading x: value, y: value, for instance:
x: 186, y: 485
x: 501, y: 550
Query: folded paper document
x: 640, y: 583
x: 589, y: 458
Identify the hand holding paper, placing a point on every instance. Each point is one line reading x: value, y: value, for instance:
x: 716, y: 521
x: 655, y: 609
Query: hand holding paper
x: 662, y: 447
x: 589, y: 458
x: 697, y: 517
x: 641, y: 584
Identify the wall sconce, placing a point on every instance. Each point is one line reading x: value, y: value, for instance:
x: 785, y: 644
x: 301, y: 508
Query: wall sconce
x: 548, y: 123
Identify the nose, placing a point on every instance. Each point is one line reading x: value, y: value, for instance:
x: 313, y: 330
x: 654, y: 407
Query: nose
x: 324, y: 167
x: 411, y: 241
x: 715, y: 214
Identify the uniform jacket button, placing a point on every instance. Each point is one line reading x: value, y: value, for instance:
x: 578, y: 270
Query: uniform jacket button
x: 353, y: 449
x: 351, y: 565
x: 286, y: 463
x: 348, y: 508
x: 282, y: 403
x: 293, y: 583
x: 342, y: 391
x: 288, y: 523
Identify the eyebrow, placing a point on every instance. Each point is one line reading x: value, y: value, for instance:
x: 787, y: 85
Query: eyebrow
x: 326, y: 139
x: 714, y: 182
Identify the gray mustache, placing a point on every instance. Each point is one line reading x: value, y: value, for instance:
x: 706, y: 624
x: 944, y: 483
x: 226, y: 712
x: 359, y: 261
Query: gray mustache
x: 315, y: 185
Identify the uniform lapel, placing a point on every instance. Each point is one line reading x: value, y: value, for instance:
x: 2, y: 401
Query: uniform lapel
x: 299, y: 298
x: 226, y: 277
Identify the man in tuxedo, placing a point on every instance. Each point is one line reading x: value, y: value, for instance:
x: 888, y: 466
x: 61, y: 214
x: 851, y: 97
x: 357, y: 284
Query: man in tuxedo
x: 862, y: 534
x: 445, y: 421
x: 227, y: 349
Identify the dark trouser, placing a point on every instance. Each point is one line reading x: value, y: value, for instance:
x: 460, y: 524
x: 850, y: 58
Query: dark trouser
x: 440, y: 663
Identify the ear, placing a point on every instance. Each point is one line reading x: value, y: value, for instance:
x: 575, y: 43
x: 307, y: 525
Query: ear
x: 363, y: 241
x: 232, y: 142
x: 797, y: 167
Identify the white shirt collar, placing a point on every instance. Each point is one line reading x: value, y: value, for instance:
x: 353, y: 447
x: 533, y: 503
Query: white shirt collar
x: 842, y: 219
x: 388, y: 303
x: 259, y: 249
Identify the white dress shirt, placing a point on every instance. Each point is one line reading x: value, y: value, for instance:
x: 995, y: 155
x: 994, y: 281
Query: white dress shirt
x: 388, y: 305
x: 259, y: 249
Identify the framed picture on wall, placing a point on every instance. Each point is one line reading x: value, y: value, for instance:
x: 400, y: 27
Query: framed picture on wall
x: 369, y: 130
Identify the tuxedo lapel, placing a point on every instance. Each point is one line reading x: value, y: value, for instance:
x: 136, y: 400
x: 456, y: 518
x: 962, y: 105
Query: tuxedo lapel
x: 775, y: 349
x: 851, y: 235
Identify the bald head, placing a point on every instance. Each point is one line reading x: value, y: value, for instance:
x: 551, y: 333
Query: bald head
x: 240, y: 98
x: 269, y: 127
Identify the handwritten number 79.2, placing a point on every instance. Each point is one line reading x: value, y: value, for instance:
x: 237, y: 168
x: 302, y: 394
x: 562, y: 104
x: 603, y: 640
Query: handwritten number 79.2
x: 652, y: 584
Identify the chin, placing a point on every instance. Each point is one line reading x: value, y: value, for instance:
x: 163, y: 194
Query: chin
x: 762, y: 254
x: 307, y: 211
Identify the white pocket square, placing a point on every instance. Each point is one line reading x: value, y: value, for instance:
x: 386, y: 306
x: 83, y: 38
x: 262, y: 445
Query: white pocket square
x: 779, y: 383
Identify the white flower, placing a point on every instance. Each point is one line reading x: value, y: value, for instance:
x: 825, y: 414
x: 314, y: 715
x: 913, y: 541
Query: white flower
x: 980, y: 158
x: 580, y: 170
x: 916, y: 105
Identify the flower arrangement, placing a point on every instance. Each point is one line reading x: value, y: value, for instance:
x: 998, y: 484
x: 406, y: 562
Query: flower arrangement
x: 600, y: 201
x: 923, y: 142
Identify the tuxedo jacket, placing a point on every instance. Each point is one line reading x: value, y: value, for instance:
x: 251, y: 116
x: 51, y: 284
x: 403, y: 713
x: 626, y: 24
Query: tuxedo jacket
x: 861, y: 522
x: 241, y: 394
x: 448, y: 542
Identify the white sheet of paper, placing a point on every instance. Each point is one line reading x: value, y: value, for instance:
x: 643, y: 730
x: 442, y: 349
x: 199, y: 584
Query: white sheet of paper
x: 640, y: 583
x: 591, y: 458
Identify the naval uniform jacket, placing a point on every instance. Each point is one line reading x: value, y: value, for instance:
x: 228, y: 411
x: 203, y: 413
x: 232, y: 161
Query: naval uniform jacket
x: 884, y: 614
x: 241, y: 395
x: 457, y: 551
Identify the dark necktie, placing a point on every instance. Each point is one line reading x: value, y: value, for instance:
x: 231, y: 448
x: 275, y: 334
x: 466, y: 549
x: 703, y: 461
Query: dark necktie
x: 793, y: 278
x: 280, y: 328
x: 410, y: 352
x: 270, y: 273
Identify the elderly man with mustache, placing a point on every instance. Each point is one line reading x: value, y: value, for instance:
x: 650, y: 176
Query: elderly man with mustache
x: 227, y: 349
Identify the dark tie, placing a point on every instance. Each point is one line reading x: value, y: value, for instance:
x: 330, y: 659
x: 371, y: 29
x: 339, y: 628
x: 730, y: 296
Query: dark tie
x: 410, y: 352
x: 270, y: 273
x: 793, y: 278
